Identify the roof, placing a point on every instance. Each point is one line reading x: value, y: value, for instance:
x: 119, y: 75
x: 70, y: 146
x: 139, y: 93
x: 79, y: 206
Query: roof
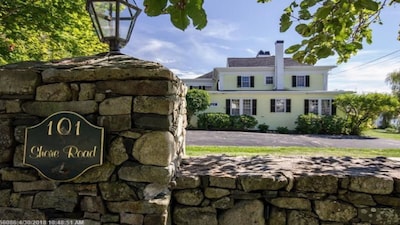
x: 260, y: 61
x: 207, y: 75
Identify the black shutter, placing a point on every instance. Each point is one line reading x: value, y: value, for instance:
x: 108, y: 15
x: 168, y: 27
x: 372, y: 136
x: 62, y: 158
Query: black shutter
x: 252, y: 81
x: 228, y: 106
x: 239, y: 81
x: 288, y: 106
x: 272, y: 105
x: 254, y: 111
x: 333, y: 108
x: 306, y: 106
x: 307, y: 81
x: 293, y: 81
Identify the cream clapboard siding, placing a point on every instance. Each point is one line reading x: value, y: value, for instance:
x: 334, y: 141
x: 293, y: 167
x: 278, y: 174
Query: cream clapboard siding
x: 264, y: 114
x: 228, y: 78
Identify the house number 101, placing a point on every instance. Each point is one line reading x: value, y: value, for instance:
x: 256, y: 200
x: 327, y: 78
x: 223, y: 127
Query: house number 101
x: 64, y: 130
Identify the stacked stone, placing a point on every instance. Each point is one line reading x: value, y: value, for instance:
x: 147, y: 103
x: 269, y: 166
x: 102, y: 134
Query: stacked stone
x: 221, y: 190
x: 140, y: 104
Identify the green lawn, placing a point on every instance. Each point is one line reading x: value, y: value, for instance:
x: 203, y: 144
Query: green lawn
x: 300, y: 151
x: 380, y: 133
x: 289, y: 151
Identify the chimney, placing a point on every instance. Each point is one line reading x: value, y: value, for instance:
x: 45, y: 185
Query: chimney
x: 279, y: 65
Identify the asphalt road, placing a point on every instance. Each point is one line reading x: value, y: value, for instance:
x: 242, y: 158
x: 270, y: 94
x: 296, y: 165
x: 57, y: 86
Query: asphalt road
x: 228, y: 138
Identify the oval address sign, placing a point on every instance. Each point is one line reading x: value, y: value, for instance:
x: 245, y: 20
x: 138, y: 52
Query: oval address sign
x: 63, y: 146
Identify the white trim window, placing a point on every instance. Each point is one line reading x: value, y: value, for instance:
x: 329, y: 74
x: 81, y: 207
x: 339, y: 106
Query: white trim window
x: 269, y: 80
x: 301, y: 81
x: 235, y: 107
x: 281, y: 105
x: 245, y: 81
x: 319, y: 107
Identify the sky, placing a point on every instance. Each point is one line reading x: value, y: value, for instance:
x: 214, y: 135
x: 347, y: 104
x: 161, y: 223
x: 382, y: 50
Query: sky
x: 240, y: 28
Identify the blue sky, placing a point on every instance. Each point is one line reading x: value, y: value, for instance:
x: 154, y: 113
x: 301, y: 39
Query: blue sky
x: 240, y: 28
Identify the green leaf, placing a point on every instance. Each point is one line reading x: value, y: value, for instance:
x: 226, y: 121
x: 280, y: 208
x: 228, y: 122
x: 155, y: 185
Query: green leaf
x: 304, y: 14
x: 154, y: 7
x: 292, y: 49
x: 324, y: 52
x: 179, y: 17
x: 285, y: 23
x: 299, y: 56
x: 323, y: 12
x: 196, y: 12
x: 303, y: 30
x: 367, y: 4
x: 307, y: 3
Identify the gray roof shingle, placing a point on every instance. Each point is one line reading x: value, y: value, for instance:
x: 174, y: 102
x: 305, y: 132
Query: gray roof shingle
x: 260, y: 61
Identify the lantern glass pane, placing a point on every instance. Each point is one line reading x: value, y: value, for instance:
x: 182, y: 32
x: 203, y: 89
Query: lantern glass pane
x: 106, y: 14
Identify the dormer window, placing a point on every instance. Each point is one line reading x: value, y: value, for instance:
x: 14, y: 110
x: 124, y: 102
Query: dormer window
x: 245, y: 81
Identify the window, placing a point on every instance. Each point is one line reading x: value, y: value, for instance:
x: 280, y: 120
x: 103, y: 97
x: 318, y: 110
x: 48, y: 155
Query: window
x: 269, y: 80
x: 301, y: 81
x: 313, y: 106
x: 281, y: 105
x: 245, y: 81
x: 319, y: 106
x: 235, y: 107
x: 326, y: 107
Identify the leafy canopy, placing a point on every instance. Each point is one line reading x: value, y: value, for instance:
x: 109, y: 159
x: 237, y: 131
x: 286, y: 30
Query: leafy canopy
x: 362, y: 109
x: 45, y: 30
x: 393, y: 79
x: 197, y: 100
x: 327, y: 27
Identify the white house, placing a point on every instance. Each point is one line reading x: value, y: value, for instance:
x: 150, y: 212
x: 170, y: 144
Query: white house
x: 273, y: 89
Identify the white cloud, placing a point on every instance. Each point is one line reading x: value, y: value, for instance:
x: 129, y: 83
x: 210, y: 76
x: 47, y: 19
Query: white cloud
x: 220, y: 29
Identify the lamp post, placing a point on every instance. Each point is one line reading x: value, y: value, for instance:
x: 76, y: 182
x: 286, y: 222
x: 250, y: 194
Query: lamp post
x: 113, y: 21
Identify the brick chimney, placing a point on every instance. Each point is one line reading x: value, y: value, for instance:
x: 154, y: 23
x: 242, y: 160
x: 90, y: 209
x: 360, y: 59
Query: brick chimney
x: 279, y: 65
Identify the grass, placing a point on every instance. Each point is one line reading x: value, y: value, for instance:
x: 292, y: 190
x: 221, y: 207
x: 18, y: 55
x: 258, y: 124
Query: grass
x: 300, y: 151
x: 381, y: 133
x: 289, y: 151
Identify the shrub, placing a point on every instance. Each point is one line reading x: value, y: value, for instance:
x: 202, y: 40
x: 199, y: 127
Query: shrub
x: 282, y: 130
x: 222, y: 121
x: 308, y: 124
x: 263, y: 127
x: 242, y: 122
x: 333, y: 125
x: 217, y: 121
x: 315, y: 124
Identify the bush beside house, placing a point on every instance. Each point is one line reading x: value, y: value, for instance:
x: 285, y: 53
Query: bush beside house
x: 222, y: 121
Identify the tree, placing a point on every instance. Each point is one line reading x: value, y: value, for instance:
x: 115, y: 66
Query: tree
x: 45, y: 30
x: 363, y: 109
x: 327, y: 27
x: 197, y: 100
x: 393, y: 79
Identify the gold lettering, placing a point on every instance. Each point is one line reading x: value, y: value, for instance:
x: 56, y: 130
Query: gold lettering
x: 40, y: 152
x: 74, y: 152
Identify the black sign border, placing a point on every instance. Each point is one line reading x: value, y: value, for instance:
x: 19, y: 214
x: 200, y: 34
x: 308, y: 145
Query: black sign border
x: 45, y: 120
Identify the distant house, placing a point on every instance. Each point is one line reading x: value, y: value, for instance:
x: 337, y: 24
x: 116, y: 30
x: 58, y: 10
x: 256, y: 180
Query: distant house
x: 273, y: 89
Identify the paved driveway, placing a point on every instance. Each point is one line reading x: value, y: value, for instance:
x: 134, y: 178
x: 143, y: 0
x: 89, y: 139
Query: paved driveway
x: 227, y: 138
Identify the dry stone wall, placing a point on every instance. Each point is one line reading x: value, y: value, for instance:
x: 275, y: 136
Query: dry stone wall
x: 141, y: 106
x: 145, y: 178
x: 221, y: 190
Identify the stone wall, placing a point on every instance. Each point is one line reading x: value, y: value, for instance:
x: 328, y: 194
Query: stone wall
x: 140, y: 104
x: 221, y: 190
x: 145, y: 178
